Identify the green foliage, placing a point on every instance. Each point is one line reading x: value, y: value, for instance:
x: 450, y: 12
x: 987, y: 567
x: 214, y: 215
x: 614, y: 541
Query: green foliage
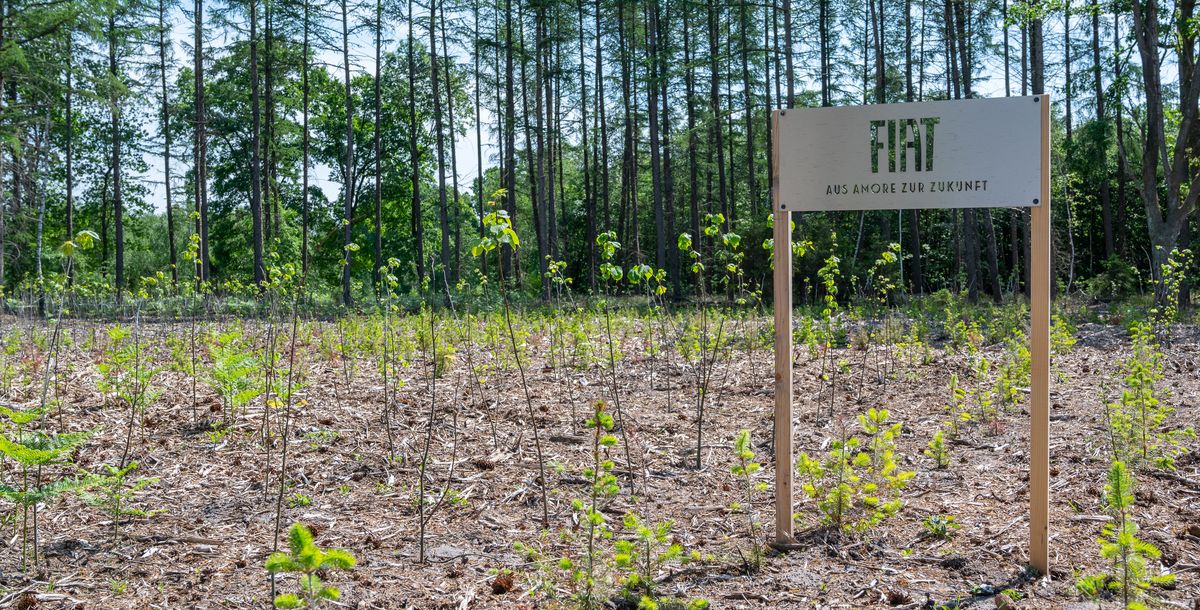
x: 1118, y: 279
x: 10, y: 365
x: 965, y: 338
x: 1128, y: 555
x: 1174, y: 273
x: 941, y: 527
x: 636, y: 550
x: 19, y: 418
x: 30, y: 495
x: 37, y: 448
x: 498, y: 231
x: 306, y: 559
x: 857, y: 485
x: 1014, y: 370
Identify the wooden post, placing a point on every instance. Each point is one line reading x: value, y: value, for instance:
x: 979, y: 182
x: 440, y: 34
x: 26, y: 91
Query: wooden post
x: 1040, y: 279
x: 783, y: 353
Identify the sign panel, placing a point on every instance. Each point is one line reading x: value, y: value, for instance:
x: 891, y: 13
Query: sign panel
x: 948, y: 154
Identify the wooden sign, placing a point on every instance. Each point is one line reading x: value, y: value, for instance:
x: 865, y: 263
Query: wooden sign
x: 972, y: 153
x: 954, y: 154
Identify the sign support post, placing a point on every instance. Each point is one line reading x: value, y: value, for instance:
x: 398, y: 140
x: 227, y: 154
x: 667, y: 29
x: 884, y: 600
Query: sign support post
x: 783, y: 356
x: 1040, y: 280
x: 825, y: 172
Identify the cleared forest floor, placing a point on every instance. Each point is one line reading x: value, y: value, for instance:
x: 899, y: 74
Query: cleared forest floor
x: 217, y: 487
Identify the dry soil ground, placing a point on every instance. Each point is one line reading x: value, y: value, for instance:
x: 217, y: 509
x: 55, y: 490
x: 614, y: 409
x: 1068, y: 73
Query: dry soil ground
x: 207, y: 547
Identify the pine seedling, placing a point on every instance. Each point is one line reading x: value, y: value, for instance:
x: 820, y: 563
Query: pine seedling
x: 641, y: 557
x: 883, y: 479
x: 744, y: 469
x: 306, y: 559
x: 1137, y: 421
x: 856, y: 487
x: 32, y: 451
x: 233, y: 371
x: 1119, y: 544
x: 960, y: 411
x: 938, y: 451
x: 116, y: 492
x: 603, y: 486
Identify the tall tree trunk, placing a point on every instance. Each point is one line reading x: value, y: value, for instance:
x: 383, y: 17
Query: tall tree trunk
x: 551, y: 71
x: 714, y: 100
x: 993, y: 255
x: 543, y: 215
x: 267, y: 137
x: 377, y: 245
x: 748, y: 101
x: 348, y: 170
x: 447, y: 84
x: 306, y: 49
x: 200, y: 146
x: 1168, y: 200
x: 1067, y: 85
x: 554, y: 176
x: 693, y: 136
x: 69, y: 152
x: 1120, y: 239
x: 908, y: 55
x: 664, y: 78
x: 652, y: 90
x: 589, y: 193
x: 166, y: 130
x: 877, y: 17
x: 963, y: 40
x: 510, y: 137
x: 115, y: 144
x: 915, y: 273
x: 789, y: 43
x: 824, y: 52
x: 255, y: 150
x: 628, y: 163
x: 479, y: 127
x: 439, y: 139
x: 1037, y: 64
x: 1005, y: 52
x: 602, y: 119
x: 414, y: 152
x: 532, y: 156
x: 1101, y: 160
